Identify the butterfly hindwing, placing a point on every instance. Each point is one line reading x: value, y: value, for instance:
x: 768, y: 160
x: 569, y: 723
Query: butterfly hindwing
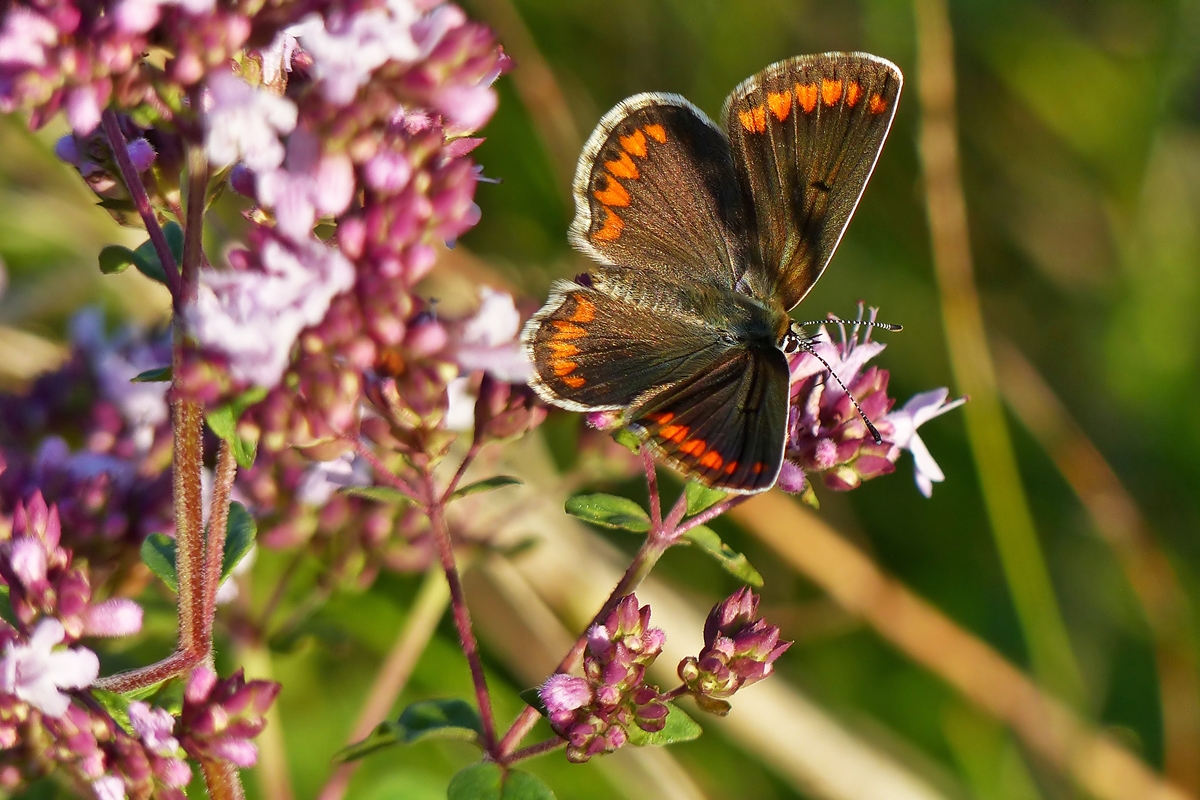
x: 655, y: 191
x: 805, y: 134
x: 599, y: 349
x: 725, y: 425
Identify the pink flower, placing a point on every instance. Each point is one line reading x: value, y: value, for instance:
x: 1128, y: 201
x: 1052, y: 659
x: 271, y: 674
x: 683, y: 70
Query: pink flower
x: 110, y: 787
x: 489, y: 339
x: 154, y: 726
x: 346, y: 49
x: 244, y: 123
x: 307, y: 186
x: 253, y: 317
x: 116, y: 616
x: 915, y: 413
x: 36, y: 673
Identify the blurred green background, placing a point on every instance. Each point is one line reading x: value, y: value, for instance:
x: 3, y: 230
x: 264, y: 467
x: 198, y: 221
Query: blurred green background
x: 1079, y: 130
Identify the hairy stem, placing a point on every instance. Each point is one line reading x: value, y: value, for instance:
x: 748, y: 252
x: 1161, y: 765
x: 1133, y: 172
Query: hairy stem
x: 214, y: 553
x: 462, y: 617
x: 141, y: 201
x: 547, y: 746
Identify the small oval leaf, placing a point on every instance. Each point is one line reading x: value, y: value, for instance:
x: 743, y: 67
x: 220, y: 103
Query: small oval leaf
x: 609, y: 510
x: 158, y: 553
x: 450, y: 718
x: 115, y: 259
x: 679, y: 728
x: 239, y: 538
x: 156, y: 375
x: 486, y: 485
x: 489, y: 781
x: 700, y: 497
x: 386, y: 734
x: 380, y: 494
x: 735, y: 563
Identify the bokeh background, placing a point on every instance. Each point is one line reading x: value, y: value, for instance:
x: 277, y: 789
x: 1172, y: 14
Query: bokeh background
x: 942, y: 645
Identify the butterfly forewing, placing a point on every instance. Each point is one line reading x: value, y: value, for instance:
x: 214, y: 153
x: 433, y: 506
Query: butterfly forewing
x: 655, y: 191
x: 725, y: 425
x: 601, y: 348
x: 805, y: 135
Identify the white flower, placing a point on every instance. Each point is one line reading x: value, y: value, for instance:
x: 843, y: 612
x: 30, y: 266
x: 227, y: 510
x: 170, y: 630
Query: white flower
x: 308, y: 185
x: 489, y: 339
x: 244, y: 123
x: 346, y: 49
x: 253, y: 317
x: 36, y: 672
x: 323, y: 478
x: 110, y: 787
x: 154, y: 726
x: 905, y: 421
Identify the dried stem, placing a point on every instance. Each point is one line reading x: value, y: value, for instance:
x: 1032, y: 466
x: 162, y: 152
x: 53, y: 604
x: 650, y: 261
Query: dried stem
x: 987, y: 430
x: 141, y: 201
x: 427, y: 609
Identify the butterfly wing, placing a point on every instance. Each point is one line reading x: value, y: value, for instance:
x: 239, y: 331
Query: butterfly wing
x: 806, y: 133
x: 725, y: 425
x: 598, y: 346
x: 655, y: 191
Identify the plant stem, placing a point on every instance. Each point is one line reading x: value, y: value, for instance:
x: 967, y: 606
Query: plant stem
x: 141, y: 201
x: 652, y: 487
x: 547, y: 746
x: 462, y: 617
x: 711, y: 513
x: 214, y: 551
x: 473, y: 451
x: 388, y: 477
x: 222, y: 780
x: 427, y: 609
x: 658, y: 540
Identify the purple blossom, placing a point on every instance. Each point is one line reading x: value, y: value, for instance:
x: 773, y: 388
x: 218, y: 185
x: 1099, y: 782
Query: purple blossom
x: 37, y: 673
x: 915, y: 413
x: 110, y: 787
x: 323, y: 478
x: 490, y: 339
x: 252, y: 317
x: 243, y: 123
x: 307, y: 186
x: 116, y: 616
x: 154, y: 726
x: 221, y: 716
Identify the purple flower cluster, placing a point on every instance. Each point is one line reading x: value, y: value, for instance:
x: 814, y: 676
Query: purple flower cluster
x: 93, y: 442
x: 221, y: 716
x: 739, y: 650
x: 826, y: 433
x: 595, y: 713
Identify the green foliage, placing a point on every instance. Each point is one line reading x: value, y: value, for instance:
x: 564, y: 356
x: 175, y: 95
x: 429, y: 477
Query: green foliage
x: 428, y: 719
x: 158, y: 553
x: 115, y: 259
x: 158, y: 549
x: 736, y: 564
x: 679, y: 728
x: 223, y: 421
x: 610, y: 511
x: 485, y: 485
x: 492, y: 782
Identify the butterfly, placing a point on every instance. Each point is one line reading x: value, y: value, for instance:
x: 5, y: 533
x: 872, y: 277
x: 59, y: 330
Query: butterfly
x: 705, y: 238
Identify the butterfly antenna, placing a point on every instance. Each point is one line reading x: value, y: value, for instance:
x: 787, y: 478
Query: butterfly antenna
x: 808, y: 348
x: 887, y: 326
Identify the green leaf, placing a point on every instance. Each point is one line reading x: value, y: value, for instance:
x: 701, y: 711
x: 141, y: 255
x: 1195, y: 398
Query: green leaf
x: 223, y: 421
x: 700, y: 497
x: 489, y: 781
x: 115, y: 259
x: 117, y: 706
x: 158, y: 552
x: 428, y: 719
x: 627, y: 439
x: 679, y: 728
x: 486, y: 485
x: 380, y: 494
x: 452, y: 718
x: 146, y: 259
x: 156, y: 375
x: 533, y: 698
x: 609, y: 510
x: 239, y: 538
x: 735, y: 563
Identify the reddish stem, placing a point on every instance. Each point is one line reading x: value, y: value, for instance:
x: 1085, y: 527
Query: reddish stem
x: 141, y: 200
x: 548, y: 746
x: 711, y: 513
x: 214, y: 551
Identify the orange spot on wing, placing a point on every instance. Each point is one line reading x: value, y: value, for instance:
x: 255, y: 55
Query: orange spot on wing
x: 585, y: 310
x: 562, y: 349
x: 806, y: 96
x: 876, y: 105
x: 693, y: 447
x: 831, y: 91
x: 613, y: 194
x: 610, y: 231
x: 853, y: 93
x: 656, y: 132
x: 623, y: 167
x: 712, y: 460
x: 567, y: 330
x: 758, y: 468
x: 661, y: 417
x: 674, y: 433
x: 562, y: 367
x: 780, y: 104
x: 731, y: 467
x: 635, y: 144
x: 754, y: 120
x: 574, y: 382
